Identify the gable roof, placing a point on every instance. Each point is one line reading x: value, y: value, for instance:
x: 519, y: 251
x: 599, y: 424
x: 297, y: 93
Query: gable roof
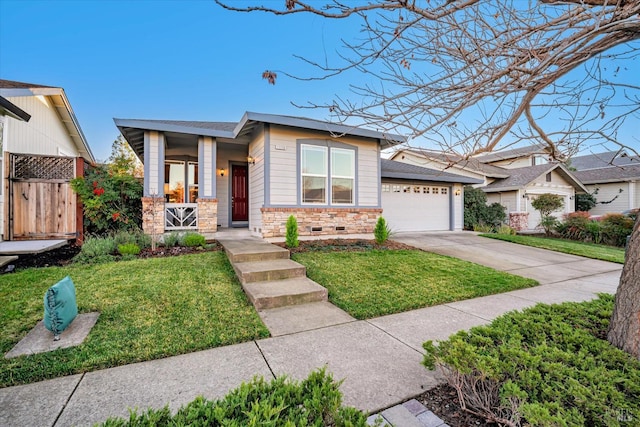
x: 10, y: 88
x: 602, y: 160
x: 628, y: 172
x: 521, y: 177
x: 512, y: 154
x: 7, y: 108
x: 455, y: 161
x: 400, y: 170
x: 133, y: 129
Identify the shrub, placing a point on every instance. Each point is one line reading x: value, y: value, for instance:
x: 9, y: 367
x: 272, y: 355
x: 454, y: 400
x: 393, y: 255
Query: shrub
x: 96, y: 250
x: 170, y: 240
x: 316, y: 401
x: 548, y: 365
x: 129, y: 249
x: 191, y: 239
x: 382, y: 231
x: 505, y: 229
x: 291, y: 237
x: 111, y: 201
x: 546, y: 204
x: 476, y: 211
x: 483, y: 228
x: 585, y: 202
x: 616, y: 228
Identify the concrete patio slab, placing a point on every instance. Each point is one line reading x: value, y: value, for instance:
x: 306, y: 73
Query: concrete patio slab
x: 379, y: 370
x: 40, y: 339
x: 553, y: 294
x: 174, y: 381
x: 491, y: 306
x: 37, y: 404
x: 18, y: 247
x: 297, y: 318
x: 431, y: 323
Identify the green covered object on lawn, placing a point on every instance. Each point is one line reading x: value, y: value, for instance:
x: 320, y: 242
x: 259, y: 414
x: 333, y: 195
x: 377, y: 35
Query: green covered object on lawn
x: 60, y: 306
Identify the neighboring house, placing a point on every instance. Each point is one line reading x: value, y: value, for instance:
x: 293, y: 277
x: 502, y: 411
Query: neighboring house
x: 613, y: 176
x: 43, y: 148
x: 259, y: 171
x: 512, y: 178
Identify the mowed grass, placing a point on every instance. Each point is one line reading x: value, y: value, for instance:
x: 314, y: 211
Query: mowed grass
x: 149, y: 309
x: 588, y: 250
x: 375, y: 283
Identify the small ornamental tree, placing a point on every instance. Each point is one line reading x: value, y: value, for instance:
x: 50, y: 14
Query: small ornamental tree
x: 546, y: 204
x: 382, y: 231
x: 585, y: 202
x: 111, y: 201
x: 291, y: 238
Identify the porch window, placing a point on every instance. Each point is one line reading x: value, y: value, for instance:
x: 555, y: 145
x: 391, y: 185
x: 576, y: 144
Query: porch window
x: 175, y: 176
x: 314, y: 174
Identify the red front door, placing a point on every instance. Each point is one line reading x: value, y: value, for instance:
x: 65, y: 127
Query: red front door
x: 239, y: 193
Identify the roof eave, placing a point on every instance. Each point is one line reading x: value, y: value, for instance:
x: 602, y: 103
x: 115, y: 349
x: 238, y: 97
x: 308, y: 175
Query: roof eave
x: 166, y: 127
x: 10, y: 109
x: 414, y: 177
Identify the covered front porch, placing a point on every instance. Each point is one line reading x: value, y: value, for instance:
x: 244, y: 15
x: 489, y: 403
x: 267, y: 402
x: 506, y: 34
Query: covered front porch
x: 196, y: 175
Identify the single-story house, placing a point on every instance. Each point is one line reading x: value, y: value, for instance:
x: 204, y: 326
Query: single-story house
x: 512, y: 178
x: 613, y: 177
x: 257, y: 172
x: 43, y: 148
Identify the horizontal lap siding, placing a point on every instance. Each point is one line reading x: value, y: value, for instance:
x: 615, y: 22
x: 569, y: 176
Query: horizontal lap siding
x: 43, y: 134
x: 609, y: 192
x: 283, y: 165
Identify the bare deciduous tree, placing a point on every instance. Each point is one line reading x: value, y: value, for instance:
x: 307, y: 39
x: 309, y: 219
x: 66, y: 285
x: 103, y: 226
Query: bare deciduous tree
x: 476, y: 75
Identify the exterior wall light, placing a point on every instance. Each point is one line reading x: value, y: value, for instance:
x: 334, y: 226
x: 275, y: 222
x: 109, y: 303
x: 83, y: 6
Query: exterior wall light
x: 458, y: 192
x: 221, y: 171
x: 251, y: 160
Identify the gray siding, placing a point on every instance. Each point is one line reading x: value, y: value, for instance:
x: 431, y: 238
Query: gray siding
x: 256, y: 183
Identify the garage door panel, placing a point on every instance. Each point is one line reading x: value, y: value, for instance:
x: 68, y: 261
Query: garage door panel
x: 416, y: 208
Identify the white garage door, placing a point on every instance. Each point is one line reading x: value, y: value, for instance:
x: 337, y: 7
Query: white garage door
x: 416, y: 207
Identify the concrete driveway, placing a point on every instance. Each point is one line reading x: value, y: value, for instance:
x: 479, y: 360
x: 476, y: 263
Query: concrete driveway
x: 540, y: 264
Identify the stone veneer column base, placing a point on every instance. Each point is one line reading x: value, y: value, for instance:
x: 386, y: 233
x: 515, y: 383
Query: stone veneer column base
x: 519, y: 221
x: 320, y: 221
x: 153, y: 216
x: 207, y: 216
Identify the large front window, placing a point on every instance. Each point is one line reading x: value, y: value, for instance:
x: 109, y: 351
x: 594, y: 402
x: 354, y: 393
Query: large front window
x: 316, y: 162
x: 176, y: 174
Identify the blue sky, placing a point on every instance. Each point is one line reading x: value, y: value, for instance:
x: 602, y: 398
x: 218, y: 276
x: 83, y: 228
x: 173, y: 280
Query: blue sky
x: 180, y: 60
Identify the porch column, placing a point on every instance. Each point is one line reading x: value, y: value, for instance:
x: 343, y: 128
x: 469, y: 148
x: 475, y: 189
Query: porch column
x: 153, y: 192
x: 207, y: 201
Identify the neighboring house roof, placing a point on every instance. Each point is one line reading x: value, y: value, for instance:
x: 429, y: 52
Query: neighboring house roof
x: 521, y: 177
x: 621, y: 173
x: 7, y: 108
x: 456, y: 161
x: 133, y: 129
x: 10, y: 88
x: 400, y: 170
x: 602, y: 160
x: 513, y: 153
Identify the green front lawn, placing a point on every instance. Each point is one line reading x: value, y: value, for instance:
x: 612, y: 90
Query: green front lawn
x: 589, y: 250
x: 149, y: 308
x: 375, y: 283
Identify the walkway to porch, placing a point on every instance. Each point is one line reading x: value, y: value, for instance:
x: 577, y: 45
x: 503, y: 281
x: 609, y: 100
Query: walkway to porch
x: 286, y: 300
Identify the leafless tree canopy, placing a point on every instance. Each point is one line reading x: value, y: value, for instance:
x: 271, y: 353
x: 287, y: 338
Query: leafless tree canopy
x: 476, y: 75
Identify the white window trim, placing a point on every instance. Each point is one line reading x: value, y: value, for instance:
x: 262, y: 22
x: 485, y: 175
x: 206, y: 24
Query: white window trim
x: 352, y: 153
x: 325, y: 175
x: 329, y: 175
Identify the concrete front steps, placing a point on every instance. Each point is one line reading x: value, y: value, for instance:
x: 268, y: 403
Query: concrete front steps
x: 286, y: 300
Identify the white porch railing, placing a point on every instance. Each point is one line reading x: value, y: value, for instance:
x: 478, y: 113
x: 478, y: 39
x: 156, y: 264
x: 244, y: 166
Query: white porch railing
x: 180, y: 216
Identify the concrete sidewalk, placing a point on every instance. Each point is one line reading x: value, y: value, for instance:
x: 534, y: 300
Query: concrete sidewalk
x: 378, y: 358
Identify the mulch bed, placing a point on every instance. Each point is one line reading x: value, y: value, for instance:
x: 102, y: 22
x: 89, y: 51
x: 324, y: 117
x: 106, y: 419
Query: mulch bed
x: 443, y: 401
x: 346, y: 245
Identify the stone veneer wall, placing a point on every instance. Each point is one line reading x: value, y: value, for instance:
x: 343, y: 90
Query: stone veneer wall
x: 207, y: 215
x: 354, y: 220
x: 519, y: 221
x: 153, y: 224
